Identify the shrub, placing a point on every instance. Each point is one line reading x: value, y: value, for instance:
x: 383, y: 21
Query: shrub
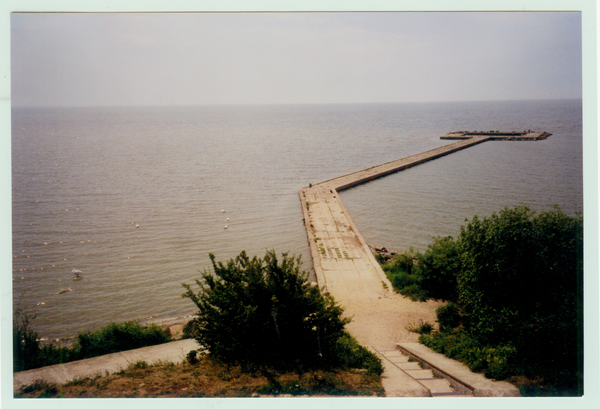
x: 437, y: 269
x: 192, y: 357
x: 400, y: 271
x: 521, y: 282
x: 261, y: 313
x: 350, y: 354
x: 405, y: 260
x: 48, y: 390
x: 448, y: 316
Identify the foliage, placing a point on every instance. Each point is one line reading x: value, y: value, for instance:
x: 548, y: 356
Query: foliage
x: 518, y: 293
x: 414, y: 292
x: 498, y: 361
x: 522, y: 282
x: 25, y: 344
x: 350, y: 354
x: 28, y: 353
x: 448, y: 316
x: 399, y: 270
x: 117, y: 337
x: 515, y: 282
x: 405, y: 260
x: 262, y: 313
x: 437, y: 269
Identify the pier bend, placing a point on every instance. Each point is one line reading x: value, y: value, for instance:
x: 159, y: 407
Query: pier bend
x: 343, y: 263
x: 341, y: 257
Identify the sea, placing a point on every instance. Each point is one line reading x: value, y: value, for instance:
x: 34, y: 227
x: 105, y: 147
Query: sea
x: 133, y: 199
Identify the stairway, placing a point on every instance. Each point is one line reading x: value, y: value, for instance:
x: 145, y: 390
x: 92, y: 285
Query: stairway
x: 439, y: 387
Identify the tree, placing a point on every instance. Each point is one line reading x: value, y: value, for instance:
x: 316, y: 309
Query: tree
x: 263, y: 313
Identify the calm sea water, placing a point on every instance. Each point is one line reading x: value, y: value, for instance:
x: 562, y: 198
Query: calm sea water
x: 84, y: 179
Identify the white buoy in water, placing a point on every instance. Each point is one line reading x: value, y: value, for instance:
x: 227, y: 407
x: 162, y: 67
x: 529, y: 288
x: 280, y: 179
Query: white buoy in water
x: 228, y: 219
x: 225, y: 227
x: 222, y: 210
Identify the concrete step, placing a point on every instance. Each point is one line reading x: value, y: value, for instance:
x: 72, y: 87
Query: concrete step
x: 458, y: 374
x: 436, y: 385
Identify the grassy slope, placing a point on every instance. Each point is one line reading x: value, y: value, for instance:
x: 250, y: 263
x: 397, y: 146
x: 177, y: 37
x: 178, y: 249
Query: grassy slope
x: 208, y: 379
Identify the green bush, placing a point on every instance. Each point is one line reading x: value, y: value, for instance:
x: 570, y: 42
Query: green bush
x: 350, y: 354
x: 262, y: 313
x: 519, y: 290
x: 437, y: 269
x: 448, y: 316
x: 192, y: 357
x: 521, y: 282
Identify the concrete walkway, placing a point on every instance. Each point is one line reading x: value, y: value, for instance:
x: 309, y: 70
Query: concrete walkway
x: 175, y: 352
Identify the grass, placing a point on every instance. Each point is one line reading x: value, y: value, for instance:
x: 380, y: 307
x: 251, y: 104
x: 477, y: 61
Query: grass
x: 420, y: 328
x: 208, y: 379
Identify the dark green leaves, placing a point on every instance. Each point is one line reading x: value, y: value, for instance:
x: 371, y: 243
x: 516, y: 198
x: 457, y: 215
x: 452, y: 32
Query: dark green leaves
x: 264, y: 313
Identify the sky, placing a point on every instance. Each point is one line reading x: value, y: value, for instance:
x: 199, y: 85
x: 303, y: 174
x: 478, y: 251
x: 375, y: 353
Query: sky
x: 98, y: 59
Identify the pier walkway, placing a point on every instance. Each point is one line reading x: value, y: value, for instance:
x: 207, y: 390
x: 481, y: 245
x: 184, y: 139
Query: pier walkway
x: 346, y: 268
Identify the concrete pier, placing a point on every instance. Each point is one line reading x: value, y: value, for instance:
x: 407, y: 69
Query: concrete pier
x: 335, y: 243
x: 344, y: 264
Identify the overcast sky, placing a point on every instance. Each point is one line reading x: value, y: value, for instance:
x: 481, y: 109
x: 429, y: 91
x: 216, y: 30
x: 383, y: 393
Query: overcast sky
x: 62, y: 59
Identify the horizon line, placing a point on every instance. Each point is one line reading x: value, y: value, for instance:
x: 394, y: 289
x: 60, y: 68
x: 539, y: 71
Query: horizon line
x: 282, y: 103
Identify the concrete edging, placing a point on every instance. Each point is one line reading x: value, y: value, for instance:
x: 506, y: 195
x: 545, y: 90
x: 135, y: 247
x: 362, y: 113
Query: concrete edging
x: 321, y: 282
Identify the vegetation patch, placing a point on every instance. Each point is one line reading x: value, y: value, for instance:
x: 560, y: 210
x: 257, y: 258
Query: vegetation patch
x: 420, y: 328
x: 207, y: 378
x: 515, y: 285
x: 29, y: 353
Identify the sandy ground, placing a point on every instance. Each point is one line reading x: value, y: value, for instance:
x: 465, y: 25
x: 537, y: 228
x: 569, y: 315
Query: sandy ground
x: 380, y: 317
